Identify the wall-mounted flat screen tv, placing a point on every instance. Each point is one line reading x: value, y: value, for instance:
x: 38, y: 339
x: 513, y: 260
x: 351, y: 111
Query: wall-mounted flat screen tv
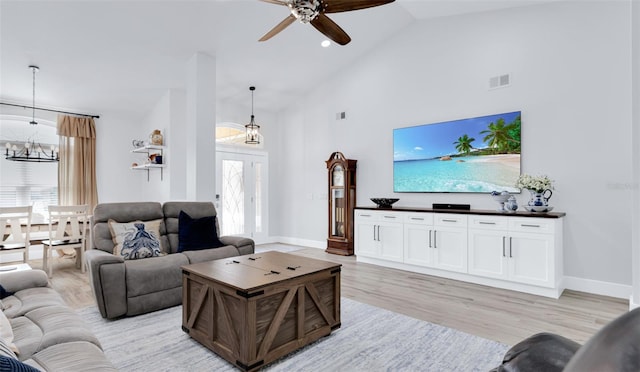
x: 476, y: 155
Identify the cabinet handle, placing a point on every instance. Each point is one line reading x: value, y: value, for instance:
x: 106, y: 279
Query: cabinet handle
x: 510, y: 247
x: 374, y: 233
x: 365, y: 215
x: 378, y: 232
x: 504, y: 254
x: 446, y: 220
x: 486, y: 223
x: 526, y: 225
x: 430, y: 239
x: 417, y: 219
x: 435, y: 241
x: 390, y: 217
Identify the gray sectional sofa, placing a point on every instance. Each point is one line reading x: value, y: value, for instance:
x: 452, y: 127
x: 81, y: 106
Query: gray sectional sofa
x: 132, y: 287
x: 49, y: 336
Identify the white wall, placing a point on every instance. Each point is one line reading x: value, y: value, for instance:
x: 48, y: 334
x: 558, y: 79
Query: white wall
x: 570, y: 66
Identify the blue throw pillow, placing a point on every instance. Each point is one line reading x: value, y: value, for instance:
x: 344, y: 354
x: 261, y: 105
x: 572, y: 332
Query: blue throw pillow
x: 4, y: 293
x: 197, y: 233
x: 14, y: 365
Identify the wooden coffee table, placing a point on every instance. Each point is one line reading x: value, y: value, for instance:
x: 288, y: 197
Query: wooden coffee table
x: 254, y: 309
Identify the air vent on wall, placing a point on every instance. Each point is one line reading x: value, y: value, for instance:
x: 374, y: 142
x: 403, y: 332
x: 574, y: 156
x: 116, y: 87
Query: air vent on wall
x: 500, y: 81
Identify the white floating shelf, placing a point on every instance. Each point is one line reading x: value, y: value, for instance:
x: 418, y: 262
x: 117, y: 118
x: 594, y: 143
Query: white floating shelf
x: 148, y: 148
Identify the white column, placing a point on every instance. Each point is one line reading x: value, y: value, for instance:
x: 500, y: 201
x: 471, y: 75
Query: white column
x: 200, y: 127
x: 635, y: 143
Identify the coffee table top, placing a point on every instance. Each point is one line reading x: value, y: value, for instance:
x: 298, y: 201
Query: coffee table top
x: 250, y: 272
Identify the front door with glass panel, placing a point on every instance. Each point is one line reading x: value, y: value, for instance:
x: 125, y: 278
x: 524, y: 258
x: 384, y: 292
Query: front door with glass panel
x: 241, y: 194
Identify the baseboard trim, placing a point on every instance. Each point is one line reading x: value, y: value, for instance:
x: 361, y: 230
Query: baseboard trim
x: 301, y: 242
x: 632, y: 305
x: 598, y: 287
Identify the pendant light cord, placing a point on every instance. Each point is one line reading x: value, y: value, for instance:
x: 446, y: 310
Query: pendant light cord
x: 33, y: 112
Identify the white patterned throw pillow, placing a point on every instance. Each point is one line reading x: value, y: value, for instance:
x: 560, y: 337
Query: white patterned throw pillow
x: 136, y: 239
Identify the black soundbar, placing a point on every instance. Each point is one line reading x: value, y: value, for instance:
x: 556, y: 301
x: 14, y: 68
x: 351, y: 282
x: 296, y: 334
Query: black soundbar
x: 464, y: 207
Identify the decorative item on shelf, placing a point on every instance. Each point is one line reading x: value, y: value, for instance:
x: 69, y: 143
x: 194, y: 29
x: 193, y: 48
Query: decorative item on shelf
x: 501, y: 197
x: 152, y: 158
x: 384, y: 202
x: 540, y: 190
x: 158, y: 159
x: 133, y: 165
x: 252, y: 129
x: 137, y: 143
x: 31, y: 150
x: 511, y: 205
x: 155, y: 138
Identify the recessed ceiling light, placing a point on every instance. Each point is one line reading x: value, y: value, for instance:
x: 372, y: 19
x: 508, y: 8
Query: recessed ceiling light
x: 325, y: 43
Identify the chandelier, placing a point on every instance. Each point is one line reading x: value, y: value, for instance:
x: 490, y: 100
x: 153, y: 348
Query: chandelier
x: 252, y: 129
x: 30, y: 150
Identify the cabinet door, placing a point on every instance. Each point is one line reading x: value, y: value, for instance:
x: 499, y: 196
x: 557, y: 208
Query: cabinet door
x: 391, y: 239
x: 487, y: 253
x: 531, y: 259
x: 366, y: 243
x: 418, y: 245
x: 450, y: 245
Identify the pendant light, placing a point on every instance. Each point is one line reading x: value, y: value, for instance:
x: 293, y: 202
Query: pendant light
x: 252, y: 129
x: 30, y: 151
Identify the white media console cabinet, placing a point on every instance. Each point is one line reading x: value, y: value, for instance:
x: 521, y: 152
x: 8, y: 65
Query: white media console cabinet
x: 519, y: 251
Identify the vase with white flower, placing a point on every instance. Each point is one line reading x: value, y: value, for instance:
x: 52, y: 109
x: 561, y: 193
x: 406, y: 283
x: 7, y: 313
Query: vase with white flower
x: 539, y: 187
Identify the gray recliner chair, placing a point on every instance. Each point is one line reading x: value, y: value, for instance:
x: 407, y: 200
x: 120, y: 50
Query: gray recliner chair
x: 615, y: 348
x: 131, y: 287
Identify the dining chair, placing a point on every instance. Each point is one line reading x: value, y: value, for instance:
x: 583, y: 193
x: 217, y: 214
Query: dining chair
x: 15, y: 239
x: 67, y: 229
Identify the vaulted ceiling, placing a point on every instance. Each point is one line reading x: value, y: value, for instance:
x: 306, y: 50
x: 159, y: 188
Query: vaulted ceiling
x: 97, y: 56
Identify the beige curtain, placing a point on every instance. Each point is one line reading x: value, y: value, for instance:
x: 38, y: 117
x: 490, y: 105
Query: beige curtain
x: 77, y: 166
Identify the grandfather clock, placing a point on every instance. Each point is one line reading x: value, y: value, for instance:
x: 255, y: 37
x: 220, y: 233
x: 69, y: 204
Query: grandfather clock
x: 342, y: 201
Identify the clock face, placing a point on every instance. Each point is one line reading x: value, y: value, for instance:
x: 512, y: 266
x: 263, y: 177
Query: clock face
x: 338, y: 176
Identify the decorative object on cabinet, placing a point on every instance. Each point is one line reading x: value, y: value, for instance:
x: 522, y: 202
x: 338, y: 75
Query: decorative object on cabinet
x: 540, y: 189
x: 154, y: 159
x: 384, y: 202
x: 512, y: 204
x: 501, y: 198
x: 342, y: 201
x: 538, y: 208
x: 156, y: 138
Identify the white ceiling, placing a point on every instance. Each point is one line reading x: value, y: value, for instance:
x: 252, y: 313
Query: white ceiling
x: 97, y: 56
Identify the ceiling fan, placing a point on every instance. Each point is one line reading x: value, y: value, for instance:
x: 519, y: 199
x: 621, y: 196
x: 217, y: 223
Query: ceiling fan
x: 313, y: 11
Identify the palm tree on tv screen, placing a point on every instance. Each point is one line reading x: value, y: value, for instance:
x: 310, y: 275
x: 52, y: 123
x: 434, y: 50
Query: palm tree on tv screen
x: 463, y: 144
x: 498, y: 136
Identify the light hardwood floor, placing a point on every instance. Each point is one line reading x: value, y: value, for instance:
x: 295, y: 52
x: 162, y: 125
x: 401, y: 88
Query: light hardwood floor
x: 496, y: 314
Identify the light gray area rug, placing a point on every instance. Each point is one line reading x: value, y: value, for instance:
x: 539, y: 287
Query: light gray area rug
x: 370, y: 339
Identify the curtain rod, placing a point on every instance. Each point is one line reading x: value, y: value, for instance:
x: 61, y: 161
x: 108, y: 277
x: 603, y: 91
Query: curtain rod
x: 44, y: 109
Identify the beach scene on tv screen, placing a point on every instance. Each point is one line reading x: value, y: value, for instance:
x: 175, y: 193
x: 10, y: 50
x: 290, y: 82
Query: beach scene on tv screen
x: 479, y: 154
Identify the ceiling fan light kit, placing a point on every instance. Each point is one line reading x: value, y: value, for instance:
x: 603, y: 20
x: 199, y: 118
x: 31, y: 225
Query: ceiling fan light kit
x: 313, y: 11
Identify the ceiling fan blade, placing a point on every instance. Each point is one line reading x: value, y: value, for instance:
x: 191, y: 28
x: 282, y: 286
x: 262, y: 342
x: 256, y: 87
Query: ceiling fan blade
x: 330, y: 29
x: 277, y: 2
x: 279, y: 27
x: 337, y: 6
